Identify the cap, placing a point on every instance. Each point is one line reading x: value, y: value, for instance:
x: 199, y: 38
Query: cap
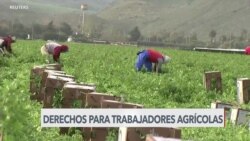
x: 13, y: 38
x: 166, y: 59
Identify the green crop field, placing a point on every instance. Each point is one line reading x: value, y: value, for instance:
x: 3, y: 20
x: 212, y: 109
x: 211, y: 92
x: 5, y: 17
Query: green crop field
x: 111, y: 68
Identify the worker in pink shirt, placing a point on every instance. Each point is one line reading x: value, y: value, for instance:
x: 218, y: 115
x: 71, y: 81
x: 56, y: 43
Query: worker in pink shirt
x: 148, y: 57
x: 54, y: 49
x: 5, y: 44
x: 247, y: 50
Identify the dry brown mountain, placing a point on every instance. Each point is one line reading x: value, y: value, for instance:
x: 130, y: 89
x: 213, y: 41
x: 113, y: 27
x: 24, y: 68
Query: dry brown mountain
x: 188, y: 16
x: 152, y: 16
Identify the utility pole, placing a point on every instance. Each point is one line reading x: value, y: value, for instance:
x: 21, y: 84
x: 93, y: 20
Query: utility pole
x: 83, y: 8
x: 32, y: 31
x: 230, y: 39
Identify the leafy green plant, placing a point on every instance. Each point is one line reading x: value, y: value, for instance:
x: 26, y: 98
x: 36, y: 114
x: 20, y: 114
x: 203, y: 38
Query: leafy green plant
x: 37, y: 81
x: 77, y: 104
x: 57, y: 98
x: 111, y: 68
x: 112, y: 135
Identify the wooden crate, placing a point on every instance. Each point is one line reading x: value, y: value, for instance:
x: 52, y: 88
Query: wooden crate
x: 211, y: 76
x: 136, y: 134
x: 96, y: 134
x: 95, y: 99
x: 81, y: 84
x: 73, y: 92
x: 101, y: 133
x: 118, y: 104
x: 55, y: 81
x: 243, y: 90
x: 220, y: 105
x: 157, y: 138
x: 139, y: 134
x: 38, y: 70
x: 240, y: 116
x: 35, y: 79
x: 39, y: 96
x: 88, y: 98
x: 52, y: 72
x: 56, y: 66
x: 52, y: 83
x: 35, y: 73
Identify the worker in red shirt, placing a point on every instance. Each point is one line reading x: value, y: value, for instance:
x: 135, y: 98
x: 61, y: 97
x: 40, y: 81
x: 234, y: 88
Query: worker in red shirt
x: 247, y: 50
x: 5, y: 44
x: 148, y: 57
x: 54, y: 49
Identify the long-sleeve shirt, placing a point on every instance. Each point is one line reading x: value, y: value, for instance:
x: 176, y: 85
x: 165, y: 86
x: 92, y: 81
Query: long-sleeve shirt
x: 57, y: 52
x: 54, y: 49
x: 7, y: 43
x: 247, y: 50
x: 154, y: 56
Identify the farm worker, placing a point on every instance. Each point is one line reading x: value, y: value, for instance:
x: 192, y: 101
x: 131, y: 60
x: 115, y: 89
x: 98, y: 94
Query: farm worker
x: 53, y: 49
x: 148, y: 57
x: 5, y: 44
x: 247, y: 50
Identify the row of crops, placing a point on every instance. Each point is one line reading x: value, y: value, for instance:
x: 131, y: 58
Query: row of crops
x: 111, y: 68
